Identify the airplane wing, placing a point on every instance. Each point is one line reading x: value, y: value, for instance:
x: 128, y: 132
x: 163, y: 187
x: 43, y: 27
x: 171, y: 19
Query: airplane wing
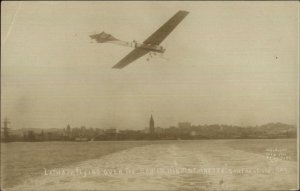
x: 132, y: 56
x: 158, y: 36
x: 155, y: 39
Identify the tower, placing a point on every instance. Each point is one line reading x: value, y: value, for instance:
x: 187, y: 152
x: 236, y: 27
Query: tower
x: 68, y: 130
x: 6, y: 130
x: 151, y: 125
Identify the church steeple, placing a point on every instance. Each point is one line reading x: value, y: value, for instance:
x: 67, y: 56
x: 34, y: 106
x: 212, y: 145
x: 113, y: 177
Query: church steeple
x: 151, y: 125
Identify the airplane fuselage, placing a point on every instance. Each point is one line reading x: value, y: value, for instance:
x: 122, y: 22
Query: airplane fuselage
x: 150, y: 47
x: 104, y: 37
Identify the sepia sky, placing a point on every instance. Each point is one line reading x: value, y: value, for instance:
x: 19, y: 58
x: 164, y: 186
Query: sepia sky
x: 227, y: 62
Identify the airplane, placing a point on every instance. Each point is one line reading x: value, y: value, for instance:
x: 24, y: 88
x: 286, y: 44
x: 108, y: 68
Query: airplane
x: 150, y: 45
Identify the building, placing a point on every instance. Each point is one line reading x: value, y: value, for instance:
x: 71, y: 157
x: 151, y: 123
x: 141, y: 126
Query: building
x: 111, y: 131
x: 184, y: 124
x: 151, y: 125
x: 68, y: 132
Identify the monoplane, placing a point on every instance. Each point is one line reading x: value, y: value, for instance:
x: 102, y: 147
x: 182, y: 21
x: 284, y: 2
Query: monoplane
x: 151, y: 45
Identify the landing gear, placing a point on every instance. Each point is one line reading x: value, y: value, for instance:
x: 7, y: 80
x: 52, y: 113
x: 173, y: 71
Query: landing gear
x: 152, y: 54
x: 149, y: 56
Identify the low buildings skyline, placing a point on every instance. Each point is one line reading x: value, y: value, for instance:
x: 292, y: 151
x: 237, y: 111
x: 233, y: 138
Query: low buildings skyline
x: 183, y: 130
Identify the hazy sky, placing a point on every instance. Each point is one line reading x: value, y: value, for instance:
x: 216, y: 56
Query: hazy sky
x: 227, y: 62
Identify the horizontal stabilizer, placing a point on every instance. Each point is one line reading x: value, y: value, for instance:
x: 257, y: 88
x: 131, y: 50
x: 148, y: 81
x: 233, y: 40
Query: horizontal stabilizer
x: 103, y: 37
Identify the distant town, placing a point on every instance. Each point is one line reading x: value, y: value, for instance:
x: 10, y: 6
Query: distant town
x: 183, y: 131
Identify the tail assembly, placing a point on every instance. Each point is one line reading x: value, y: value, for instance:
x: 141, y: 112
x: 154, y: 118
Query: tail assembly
x: 104, y: 37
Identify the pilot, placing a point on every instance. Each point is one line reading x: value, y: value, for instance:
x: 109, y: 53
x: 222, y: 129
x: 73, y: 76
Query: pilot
x: 134, y: 43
